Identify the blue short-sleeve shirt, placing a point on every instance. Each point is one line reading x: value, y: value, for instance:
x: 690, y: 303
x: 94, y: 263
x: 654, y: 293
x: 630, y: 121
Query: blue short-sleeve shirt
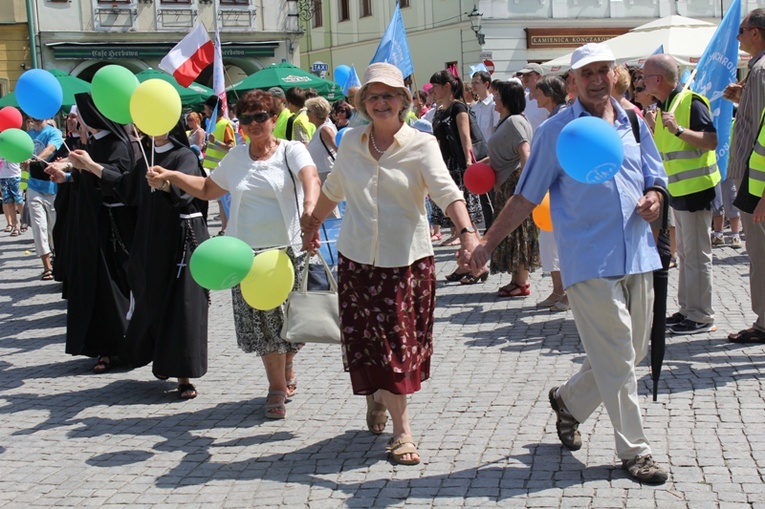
x: 597, y: 228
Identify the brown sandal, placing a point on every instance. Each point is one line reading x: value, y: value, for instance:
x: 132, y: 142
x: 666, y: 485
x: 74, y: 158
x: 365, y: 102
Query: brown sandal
x: 376, y: 415
x: 398, y: 448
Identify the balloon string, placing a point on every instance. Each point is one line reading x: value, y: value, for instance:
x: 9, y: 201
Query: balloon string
x: 40, y: 159
x: 141, y: 146
x: 152, y: 158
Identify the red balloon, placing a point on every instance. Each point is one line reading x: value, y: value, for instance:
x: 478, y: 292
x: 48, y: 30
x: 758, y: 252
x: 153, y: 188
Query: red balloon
x: 479, y: 178
x: 10, y: 118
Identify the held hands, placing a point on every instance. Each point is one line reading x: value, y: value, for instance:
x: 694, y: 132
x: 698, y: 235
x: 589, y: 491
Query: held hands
x: 309, y: 226
x: 472, y: 254
x: 649, y: 206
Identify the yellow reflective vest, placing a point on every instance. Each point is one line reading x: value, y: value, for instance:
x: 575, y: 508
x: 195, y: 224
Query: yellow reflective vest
x: 280, y: 128
x: 214, y: 155
x: 689, y: 169
x: 757, y: 163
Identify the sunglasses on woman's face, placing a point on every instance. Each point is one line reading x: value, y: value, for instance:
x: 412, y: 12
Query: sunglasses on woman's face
x: 258, y: 117
x: 639, y: 89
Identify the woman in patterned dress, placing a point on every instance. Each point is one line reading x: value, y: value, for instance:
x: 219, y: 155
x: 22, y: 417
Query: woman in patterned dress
x: 509, y: 148
x: 386, y: 272
x: 266, y: 178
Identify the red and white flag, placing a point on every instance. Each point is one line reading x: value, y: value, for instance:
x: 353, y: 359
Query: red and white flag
x: 190, y: 56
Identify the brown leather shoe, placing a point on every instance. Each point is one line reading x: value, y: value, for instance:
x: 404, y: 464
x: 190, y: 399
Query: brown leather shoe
x: 567, y: 426
x: 645, y: 469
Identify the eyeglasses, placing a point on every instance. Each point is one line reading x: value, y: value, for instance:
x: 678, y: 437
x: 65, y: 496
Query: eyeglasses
x: 385, y: 97
x: 742, y: 29
x: 258, y: 117
x: 649, y: 75
x: 639, y: 89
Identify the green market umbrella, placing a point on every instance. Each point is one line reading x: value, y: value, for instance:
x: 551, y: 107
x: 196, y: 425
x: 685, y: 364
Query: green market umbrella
x: 286, y: 75
x: 195, y: 94
x: 69, y: 84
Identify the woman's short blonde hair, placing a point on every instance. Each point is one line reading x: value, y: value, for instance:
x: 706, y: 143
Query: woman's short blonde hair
x: 623, y: 79
x: 319, y: 106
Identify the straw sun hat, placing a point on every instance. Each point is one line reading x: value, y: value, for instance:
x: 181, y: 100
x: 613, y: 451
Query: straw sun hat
x: 386, y: 74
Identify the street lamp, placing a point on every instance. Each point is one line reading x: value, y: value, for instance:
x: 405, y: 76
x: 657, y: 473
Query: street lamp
x: 475, y: 24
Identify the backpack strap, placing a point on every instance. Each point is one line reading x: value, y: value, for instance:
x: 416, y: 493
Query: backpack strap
x: 290, y: 123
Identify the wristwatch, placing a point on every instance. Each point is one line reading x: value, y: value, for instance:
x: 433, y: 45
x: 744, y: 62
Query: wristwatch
x: 679, y: 131
x: 467, y: 229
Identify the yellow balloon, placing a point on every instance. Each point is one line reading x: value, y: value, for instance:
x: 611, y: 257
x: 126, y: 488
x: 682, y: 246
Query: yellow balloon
x: 269, y: 281
x: 155, y: 107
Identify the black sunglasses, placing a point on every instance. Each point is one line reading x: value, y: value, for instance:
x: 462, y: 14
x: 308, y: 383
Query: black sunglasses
x: 639, y: 89
x: 258, y: 117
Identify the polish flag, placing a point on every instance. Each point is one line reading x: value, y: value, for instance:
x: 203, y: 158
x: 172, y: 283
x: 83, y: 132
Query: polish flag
x: 190, y: 56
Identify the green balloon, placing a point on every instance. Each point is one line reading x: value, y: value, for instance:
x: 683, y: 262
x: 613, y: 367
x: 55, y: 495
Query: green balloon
x: 111, y: 88
x: 16, y: 146
x: 220, y: 262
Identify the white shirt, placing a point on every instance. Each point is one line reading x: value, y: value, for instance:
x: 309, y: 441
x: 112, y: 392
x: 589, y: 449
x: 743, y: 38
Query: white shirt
x: 487, y: 117
x: 534, y: 113
x: 263, y: 201
x: 9, y: 169
x: 321, y: 156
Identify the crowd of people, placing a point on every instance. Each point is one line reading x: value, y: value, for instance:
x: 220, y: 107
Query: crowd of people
x: 400, y: 168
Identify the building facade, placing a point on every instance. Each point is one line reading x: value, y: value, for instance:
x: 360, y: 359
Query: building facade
x: 511, y: 32
x: 14, y: 44
x: 81, y: 36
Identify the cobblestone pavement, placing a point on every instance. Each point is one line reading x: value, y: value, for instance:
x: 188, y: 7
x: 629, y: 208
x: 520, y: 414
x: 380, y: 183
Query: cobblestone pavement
x: 484, y: 426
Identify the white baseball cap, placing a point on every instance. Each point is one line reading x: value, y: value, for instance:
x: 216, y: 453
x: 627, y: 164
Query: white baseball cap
x: 591, y: 52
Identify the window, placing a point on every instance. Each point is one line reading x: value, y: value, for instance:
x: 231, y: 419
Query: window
x: 366, y: 8
x: 318, y: 17
x: 234, y: 2
x: 345, y: 10
x: 403, y: 3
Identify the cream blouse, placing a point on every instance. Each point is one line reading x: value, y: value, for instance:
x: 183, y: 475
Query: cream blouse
x: 385, y: 222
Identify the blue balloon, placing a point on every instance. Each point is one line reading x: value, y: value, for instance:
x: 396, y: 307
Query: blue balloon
x: 342, y: 72
x: 340, y: 134
x: 590, y: 150
x: 39, y: 94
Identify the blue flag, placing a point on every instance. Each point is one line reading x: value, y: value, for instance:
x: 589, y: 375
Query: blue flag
x: 211, y: 123
x: 716, y: 70
x: 393, y: 47
x: 659, y: 50
x: 352, y: 81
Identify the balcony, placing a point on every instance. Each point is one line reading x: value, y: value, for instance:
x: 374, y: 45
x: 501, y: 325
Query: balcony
x: 176, y: 18
x: 236, y: 18
x: 115, y: 17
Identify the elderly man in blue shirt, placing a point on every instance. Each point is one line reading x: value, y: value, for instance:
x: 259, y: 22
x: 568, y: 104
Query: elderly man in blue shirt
x: 607, y: 257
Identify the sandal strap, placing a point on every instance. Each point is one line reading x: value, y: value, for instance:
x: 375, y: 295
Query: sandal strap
x: 276, y: 393
x: 404, y: 445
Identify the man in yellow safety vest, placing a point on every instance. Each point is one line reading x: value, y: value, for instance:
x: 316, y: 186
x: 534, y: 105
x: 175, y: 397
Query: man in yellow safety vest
x: 687, y: 139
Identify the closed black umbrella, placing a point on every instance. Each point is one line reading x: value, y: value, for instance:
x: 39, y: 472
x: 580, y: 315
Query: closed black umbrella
x: 660, y: 279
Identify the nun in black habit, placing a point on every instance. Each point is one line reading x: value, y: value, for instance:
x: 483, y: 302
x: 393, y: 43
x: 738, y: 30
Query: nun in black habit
x: 101, y: 240
x: 168, y: 326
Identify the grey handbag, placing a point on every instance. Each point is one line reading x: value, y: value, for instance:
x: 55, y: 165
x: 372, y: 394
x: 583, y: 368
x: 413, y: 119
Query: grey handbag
x: 312, y: 317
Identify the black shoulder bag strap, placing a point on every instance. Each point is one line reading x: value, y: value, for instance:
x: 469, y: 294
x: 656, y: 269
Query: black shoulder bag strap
x: 331, y: 155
